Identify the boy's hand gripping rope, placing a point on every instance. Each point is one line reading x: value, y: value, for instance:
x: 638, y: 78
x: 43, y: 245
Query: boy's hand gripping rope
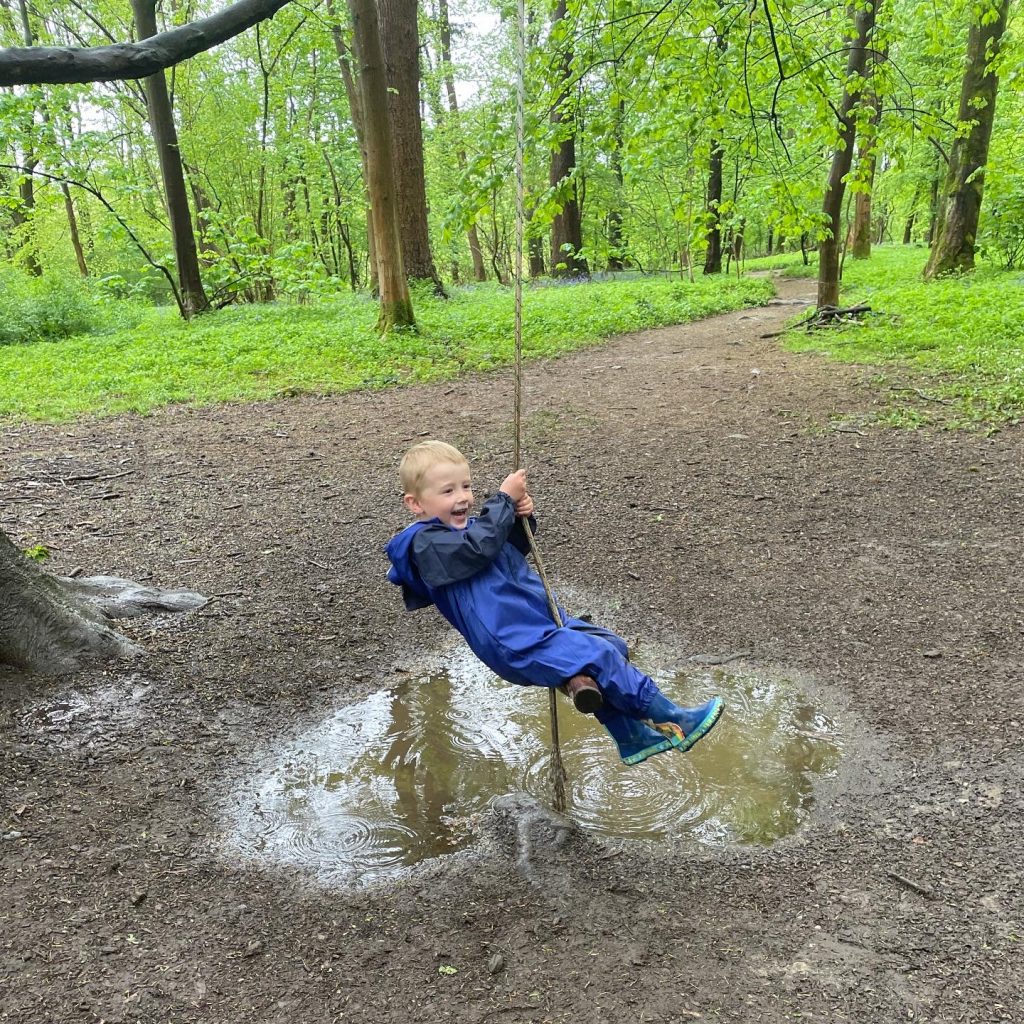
x: 558, y: 773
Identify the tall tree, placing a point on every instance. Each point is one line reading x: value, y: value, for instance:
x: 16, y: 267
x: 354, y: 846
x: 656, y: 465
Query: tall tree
x: 567, y: 226
x: 713, y: 253
x: 445, y: 31
x: 395, y: 301
x: 616, y: 237
x: 959, y: 201
x: 842, y: 158
x: 192, y: 298
x: 860, y: 229
x: 23, y: 213
x: 400, y: 41
x: 355, y: 107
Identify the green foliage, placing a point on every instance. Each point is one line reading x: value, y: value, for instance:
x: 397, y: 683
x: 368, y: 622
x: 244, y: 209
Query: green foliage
x: 253, y: 352
x: 37, y: 552
x: 43, y: 308
x: 956, y: 343
x: 274, y: 172
x: 246, y: 267
x: 1002, y: 235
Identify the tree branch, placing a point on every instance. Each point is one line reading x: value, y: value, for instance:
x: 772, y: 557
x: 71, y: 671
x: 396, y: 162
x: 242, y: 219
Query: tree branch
x: 37, y: 65
x: 131, y: 234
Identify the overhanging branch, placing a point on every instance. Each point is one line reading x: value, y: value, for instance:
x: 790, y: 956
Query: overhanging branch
x: 51, y: 65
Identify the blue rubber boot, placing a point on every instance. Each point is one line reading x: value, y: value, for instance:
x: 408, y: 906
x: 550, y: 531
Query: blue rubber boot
x: 636, y: 740
x: 688, y: 725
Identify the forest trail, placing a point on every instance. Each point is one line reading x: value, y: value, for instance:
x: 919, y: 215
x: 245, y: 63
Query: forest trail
x: 700, y: 487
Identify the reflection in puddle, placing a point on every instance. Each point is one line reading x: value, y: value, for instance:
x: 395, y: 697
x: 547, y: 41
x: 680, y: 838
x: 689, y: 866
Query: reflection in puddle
x: 401, y: 776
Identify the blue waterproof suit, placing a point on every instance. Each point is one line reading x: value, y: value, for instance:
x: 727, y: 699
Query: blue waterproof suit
x: 481, y: 583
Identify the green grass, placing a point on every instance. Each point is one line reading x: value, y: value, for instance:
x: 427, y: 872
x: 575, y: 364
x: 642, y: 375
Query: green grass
x: 248, y: 353
x: 957, y: 343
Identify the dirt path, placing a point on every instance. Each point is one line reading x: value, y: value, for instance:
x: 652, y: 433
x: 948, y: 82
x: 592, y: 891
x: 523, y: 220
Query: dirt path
x: 722, y: 491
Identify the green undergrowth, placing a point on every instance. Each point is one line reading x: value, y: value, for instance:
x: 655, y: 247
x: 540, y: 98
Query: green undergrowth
x: 248, y: 353
x: 949, y: 352
x: 787, y: 261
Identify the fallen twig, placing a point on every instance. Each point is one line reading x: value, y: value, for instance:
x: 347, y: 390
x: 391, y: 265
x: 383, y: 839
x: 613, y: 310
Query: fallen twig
x: 921, y: 890
x: 920, y: 394
x: 95, y: 476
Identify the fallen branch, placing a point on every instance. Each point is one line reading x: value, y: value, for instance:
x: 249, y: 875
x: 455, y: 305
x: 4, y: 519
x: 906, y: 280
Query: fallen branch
x: 925, y: 397
x: 825, y: 316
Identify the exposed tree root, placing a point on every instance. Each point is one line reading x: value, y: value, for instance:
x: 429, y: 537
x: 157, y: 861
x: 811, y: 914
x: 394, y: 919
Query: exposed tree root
x: 54, y: 624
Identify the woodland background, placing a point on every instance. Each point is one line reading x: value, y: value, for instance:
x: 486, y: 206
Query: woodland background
x: 671, y: 136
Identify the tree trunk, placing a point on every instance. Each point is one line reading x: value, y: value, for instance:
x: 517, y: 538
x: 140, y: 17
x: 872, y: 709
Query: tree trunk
x: 713, y: 255
x: 76, y: 240
x: 192, y: 298
x: 44, y: 628
x: 567, y: 226
x: 399, y: 37
x: 908, y: 229
x: 616, y: 242
x: 25, y: 212
x: 202, y: 205
x: 860, y: 230
x: 737, y: 244
x: 395, y: 301
x: 355, y: 107
x: 960, y: 199
x: 535, y: 250
x: 479, y: 269
x: 842, y: 158
x: 51, y: 624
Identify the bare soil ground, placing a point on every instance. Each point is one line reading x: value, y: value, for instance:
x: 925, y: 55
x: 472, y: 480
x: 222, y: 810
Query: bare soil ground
x: 729, y: 494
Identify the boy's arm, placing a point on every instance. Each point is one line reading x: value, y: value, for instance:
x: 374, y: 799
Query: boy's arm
x: 444, y: 556
x: 518, y: 534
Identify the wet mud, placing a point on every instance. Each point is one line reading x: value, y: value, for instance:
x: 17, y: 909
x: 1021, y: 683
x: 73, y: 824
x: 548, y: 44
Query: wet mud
x: 697, y: 507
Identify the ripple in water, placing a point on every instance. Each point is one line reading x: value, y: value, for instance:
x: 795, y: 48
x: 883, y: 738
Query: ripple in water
x: 401, y: 776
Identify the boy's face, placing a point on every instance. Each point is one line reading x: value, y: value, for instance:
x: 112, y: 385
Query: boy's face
x: 446, y: 494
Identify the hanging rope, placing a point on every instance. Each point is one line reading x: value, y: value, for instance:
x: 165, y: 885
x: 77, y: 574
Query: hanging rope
x: 558, y: 773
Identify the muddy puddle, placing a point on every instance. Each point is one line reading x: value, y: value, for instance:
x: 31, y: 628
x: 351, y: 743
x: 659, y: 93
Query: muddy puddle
x: 404, y: 775
x: 92, y: 718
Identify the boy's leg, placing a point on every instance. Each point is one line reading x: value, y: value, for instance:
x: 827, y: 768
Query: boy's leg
x: 602, y: 656
x: 592, y: 629
x: 628, y: 690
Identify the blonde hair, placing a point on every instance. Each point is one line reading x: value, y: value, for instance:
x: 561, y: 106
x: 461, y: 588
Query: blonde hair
x: 422, y: 457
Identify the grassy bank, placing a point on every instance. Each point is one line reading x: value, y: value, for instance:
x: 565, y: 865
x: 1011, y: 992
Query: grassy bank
x: 957, y: 344
x: 257, y: 352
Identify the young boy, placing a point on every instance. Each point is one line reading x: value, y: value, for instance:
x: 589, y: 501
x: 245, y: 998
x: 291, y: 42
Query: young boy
x: 475, y: 571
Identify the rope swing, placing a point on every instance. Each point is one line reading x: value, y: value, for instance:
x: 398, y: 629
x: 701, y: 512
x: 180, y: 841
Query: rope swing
x: 557, y: 769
